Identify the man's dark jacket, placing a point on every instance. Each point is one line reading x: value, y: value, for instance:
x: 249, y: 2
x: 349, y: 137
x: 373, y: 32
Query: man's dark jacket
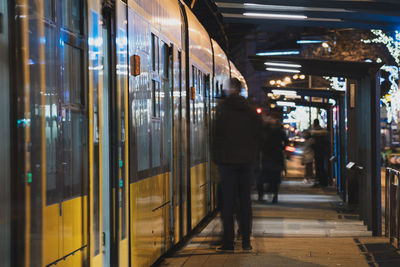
x: 237, y: 132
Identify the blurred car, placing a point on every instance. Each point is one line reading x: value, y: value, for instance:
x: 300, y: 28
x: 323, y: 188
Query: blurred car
x: 294, y: 147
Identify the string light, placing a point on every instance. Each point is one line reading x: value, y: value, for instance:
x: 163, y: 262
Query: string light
x: 336, y: 83
x: 392, y: 101
x: 393, y: 45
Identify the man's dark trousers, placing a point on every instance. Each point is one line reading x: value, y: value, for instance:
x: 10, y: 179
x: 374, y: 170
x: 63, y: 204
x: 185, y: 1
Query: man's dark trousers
x: 234, y: 176
x: 321, y: 170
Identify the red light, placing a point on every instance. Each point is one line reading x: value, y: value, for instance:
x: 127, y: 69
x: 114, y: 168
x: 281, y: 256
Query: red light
x: 292, y: 129
x: 259, y: 110
x: 290, y: 149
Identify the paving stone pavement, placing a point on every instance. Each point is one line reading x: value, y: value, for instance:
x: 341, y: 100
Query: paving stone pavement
x: 308, y: 227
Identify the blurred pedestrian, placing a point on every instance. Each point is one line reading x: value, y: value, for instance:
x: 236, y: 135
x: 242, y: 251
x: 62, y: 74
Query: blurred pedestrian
x: 321, y: 147
x: 272, y: 156
x: 236, y: 139
x: 307, y: 158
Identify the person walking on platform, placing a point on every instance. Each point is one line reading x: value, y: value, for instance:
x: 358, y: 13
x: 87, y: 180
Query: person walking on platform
x: 307, y: 158
x: 321, y: 147
x: 272, y: 156
x: 236, y: 140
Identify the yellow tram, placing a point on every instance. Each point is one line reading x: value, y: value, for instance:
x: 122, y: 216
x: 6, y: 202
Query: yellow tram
x: 107, y: 110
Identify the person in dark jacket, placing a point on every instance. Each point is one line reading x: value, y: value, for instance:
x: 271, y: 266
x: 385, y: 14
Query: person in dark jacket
x: 272, y: 156
x: 321, y: 147
x: 235, y: 142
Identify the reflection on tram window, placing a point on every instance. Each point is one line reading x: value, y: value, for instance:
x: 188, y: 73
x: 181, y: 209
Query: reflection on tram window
x: 156, y: 143
x: 156, y: 99
x: 155, y: 52
x: 49, y: 9
x: 72, y: 75
x: 77, y: 153
x: 71, y: 14
x: 51, y: 112
x: 164, y: 57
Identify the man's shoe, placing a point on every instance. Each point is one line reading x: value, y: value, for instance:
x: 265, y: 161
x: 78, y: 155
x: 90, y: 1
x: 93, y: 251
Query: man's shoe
x: 247, y: 247
x: 225, y: 249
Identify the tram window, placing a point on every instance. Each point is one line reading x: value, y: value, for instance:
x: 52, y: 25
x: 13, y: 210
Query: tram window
x: 77, y: 152
x: 71, y: 15
x: 155, y: 54
x: 51, y: 114
x: 165, y: 59
x: 194, y: 78
x: 199, y: 82
x: 156, y: 144
x: 49, y: 9
x: 72, y: 75
x: 156, y: 99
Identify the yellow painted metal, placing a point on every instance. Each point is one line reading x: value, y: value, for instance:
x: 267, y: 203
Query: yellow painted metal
x: 73, y: 227
x: 149, y: 225
x: 66, y: 233
x: 199, y: 186
x: 51, y: 222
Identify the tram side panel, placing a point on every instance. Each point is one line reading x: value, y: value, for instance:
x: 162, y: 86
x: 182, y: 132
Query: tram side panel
x: 151, y: 107
x: 200, y: 68
x: 51, y: 134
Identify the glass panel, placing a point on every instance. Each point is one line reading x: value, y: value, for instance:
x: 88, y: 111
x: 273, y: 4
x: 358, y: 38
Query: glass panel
x: 164, y: 58
x: 66, y: 6
x: 67, y: 73
x: 73, y: 123
x: 66, y: 153
x: 76, y: 89
x: 71, y: 15
x: 51, y: 115
x: 77, y: 152
x: 199, y: 81
x: 155, y: 52
x: 156, y: 143
x: 49, y: 9
x: 143, y: 137
x: 95, y: 66
x: 76, y: 15
x: 156, y: 98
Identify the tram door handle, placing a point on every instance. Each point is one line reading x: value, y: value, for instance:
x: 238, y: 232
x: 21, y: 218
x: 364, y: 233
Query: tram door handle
x: 60, y: 208
x: 354, y: 166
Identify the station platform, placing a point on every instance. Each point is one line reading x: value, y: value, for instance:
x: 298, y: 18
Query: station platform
x: 308, y: 227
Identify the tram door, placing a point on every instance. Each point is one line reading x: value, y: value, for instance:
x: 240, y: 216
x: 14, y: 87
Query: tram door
x: 105, y: 146
x: 65, y: 211
x: 177, y: 147
x: 4, y: 140
x: 119, y: 138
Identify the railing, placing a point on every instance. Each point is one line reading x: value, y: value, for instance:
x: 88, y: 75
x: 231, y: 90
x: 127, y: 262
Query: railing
x: 392, y: 206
